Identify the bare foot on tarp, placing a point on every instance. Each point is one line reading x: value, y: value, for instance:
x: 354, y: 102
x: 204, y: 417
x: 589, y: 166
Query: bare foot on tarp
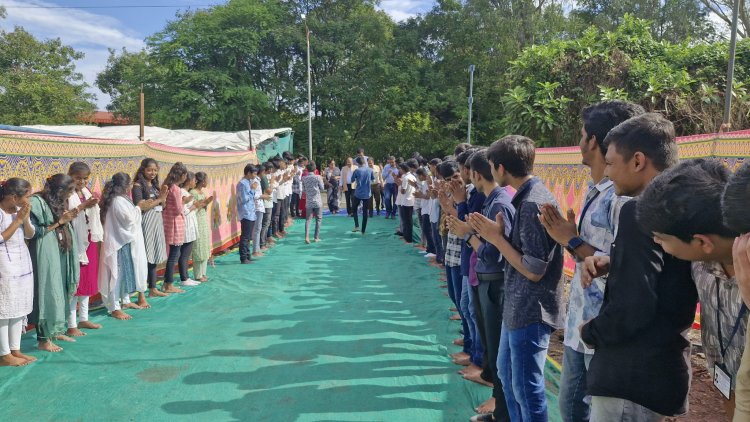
x: 477, y: 378
x: 65, y: 338
x: 49, y: 346
x: 89, y: 325
x: 142, y: 302
x: 118, y: 314
x: 172, y: 289
x: 459, y: 355
x: 462, y: 362
x: 10, y: 360
x: 156, y: 293
x: 487, y: 407
x: 75, y: 332
x: 18, y: 354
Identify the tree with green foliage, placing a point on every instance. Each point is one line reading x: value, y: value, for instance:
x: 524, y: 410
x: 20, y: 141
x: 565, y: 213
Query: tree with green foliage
x: 670, y: 20
x: 38, y: 81
x: 548, y: 85
x: 397, y: 88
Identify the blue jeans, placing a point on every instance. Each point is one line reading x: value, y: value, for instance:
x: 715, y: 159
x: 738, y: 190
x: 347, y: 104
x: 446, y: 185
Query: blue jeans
x: 520, y: 364
x: 575, y: 405
x: 455, y: 284
x: 257, y: 228
x: 390, y: 193
x: 438, y: 242
x: 469, y: 309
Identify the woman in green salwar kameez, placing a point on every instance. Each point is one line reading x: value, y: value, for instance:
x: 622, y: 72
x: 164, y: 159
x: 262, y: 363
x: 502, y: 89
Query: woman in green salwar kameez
x: 54, y: 259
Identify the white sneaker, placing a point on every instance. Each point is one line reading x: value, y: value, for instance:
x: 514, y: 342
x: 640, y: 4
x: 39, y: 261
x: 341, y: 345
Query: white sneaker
x: 190, y: 283
x: 430, y: 255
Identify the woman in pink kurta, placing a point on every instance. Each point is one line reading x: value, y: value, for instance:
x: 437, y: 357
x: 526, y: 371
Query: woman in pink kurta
x: 88, y: 234
x: 174, y: 223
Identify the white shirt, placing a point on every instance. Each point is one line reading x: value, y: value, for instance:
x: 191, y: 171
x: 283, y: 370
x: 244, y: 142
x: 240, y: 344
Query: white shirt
x: 191, y: 220
x: 260, y: 204
x: 408, y: 190
x: 423, y: 204
x: 277, y: 191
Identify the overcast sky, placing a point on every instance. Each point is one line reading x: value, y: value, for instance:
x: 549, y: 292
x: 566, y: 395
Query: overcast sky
x: 93, y: 31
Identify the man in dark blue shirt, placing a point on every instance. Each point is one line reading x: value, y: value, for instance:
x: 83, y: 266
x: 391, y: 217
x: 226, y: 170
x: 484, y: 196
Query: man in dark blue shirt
x: 489, y: 268
x: 533, y: 278
x: 363, y: 177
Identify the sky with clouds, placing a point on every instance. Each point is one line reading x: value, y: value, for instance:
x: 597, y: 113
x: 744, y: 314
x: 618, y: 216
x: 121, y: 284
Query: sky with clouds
x: 94, y: 30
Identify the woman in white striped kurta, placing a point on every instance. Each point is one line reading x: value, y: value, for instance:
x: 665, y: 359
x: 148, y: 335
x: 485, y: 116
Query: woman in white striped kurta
x: 150, y: 199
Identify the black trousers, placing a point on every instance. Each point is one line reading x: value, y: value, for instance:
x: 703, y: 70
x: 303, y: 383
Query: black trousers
x: 186, y: 252
x: 283, y: 214
x: 366, y: 209
x: 348, y: 194
x: 491, y: 298
x: 407, y: 214
x: 294, y: 208
x: 151, y: 276
x: 275, y: 217
x: 245, y: 237
x: 172, y: 257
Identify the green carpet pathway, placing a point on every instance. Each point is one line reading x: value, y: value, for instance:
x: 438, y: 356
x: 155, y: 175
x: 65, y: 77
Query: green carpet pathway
x: 348, y: 329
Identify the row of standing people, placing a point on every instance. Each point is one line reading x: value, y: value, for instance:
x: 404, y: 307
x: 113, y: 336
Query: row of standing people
x: 64, y: 245
x: 647, y: 249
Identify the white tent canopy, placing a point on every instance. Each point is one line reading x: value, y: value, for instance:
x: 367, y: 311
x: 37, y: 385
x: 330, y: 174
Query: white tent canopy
x: 181, y: 138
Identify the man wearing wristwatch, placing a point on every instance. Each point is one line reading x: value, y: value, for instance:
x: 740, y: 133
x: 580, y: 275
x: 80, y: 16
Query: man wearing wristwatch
x: 593, y: 235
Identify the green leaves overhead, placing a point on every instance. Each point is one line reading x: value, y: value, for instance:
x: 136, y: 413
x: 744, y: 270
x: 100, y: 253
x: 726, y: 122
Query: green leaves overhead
x: 38, y: 81
x: 403, y: 87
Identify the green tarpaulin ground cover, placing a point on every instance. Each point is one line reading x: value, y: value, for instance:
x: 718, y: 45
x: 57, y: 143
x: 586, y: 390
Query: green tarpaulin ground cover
x: 348, y: 329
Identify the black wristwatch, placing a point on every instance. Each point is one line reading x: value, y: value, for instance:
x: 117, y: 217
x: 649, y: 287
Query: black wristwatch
x: 574, y: 244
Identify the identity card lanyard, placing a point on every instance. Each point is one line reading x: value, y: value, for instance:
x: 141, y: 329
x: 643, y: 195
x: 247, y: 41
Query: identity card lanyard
x: 722, y: 378
x: 586, y: 208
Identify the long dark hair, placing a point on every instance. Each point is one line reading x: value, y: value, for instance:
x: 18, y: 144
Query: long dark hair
x: 117, y: 186
x: 200, y: 177
x: 189, y: 178
x: 79, y: 167
x: 14, y: 186
x: 175, y: 173
x: 57, y: 190
x: 140, y: 175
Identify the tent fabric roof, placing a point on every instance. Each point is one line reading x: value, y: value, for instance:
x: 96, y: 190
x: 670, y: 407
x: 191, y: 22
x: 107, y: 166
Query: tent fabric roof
x: 180, y: 138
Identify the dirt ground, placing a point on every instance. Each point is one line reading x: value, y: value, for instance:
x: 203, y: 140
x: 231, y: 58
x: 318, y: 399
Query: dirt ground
x: 706, y: 404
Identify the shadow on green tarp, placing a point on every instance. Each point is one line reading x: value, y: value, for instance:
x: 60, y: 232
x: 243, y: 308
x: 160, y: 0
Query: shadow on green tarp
x: 343, y: 330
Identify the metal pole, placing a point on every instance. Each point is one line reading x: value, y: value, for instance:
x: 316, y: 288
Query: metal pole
x: 730, y: 68
x: 250, y: 146
x: 309, y: 95
x: 141, y: 135
x: 471, y: 100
